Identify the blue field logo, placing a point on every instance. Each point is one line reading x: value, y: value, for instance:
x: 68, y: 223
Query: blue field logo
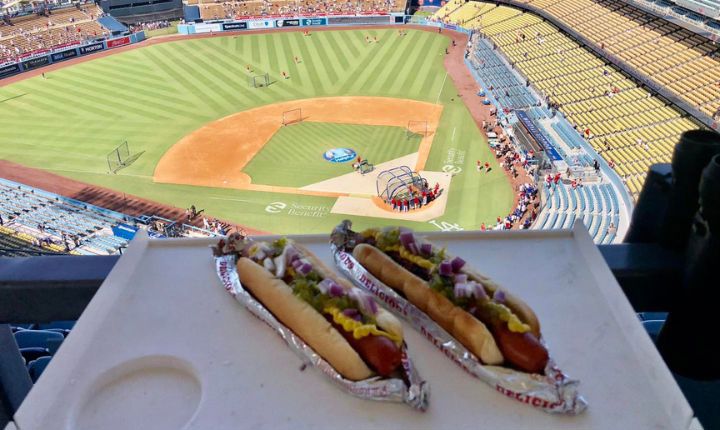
x: 339, y: 155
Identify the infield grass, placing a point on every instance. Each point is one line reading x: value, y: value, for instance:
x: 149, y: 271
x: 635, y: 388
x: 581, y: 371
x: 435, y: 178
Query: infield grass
x: 155, y: 95
x: 293, y: 157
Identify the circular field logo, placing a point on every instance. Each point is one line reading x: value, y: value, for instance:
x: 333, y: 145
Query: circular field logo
x: 339, y: 155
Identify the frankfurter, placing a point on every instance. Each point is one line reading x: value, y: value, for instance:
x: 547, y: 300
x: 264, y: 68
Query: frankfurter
x: 497, y: 327
x: 341, y: 323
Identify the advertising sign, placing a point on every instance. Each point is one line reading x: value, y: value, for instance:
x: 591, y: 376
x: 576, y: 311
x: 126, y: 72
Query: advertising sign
x: 93, y: 47
x: 261, y: 24
x: 36, y: 62
x: 339, y: 155
x: 9, y: 70
x: 114, y: 43
x: 313, y: 21
x: 64, y: 55
x: 359, y: 20
x: 287, y: 23
x: 234, y: 26
x: 207, y: 28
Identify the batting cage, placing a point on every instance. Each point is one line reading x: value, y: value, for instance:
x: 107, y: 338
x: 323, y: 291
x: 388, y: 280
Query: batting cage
x: 292, y: 116
x: 118, y: 157
x: 416, y: 128
x: 259, y: 81
x: 398, y: 182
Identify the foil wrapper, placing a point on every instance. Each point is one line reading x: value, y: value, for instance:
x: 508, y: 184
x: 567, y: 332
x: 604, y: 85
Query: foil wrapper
x: 553, y: 392
x: 415, y: 392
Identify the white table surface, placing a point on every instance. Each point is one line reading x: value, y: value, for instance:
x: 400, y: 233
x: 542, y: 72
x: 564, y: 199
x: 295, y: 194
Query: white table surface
x: 163, y: 346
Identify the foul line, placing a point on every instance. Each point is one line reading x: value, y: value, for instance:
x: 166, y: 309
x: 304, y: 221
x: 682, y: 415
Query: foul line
x: 441, y: 88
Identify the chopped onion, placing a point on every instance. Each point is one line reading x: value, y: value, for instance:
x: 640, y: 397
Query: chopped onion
x: 325, y: 285
x: 457, y: 264
x: 365, y: 301
x: 407, y: 238
x: 445, y: 269
x: 413, y: 248
x: 499, y: 296
x: 462, y: 290
x: 479, y: 291
x: 291, y: 254
x: 336, y: 291
x: 296, y: 263
x: 426, y: 249
x: 460, y: 278
x: 269, y: 265
x: 352, y: 313
x: 305, y: 268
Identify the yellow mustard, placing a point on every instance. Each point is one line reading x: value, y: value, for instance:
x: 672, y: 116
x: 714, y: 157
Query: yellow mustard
x: 358, y: 329
x: 506, y: 315
x: 407, y: 255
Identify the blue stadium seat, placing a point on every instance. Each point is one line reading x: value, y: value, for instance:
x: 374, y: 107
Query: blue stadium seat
x: 36, y: 338
x: 37, y: 367
x: 560, y: 221
x: 570, y: 222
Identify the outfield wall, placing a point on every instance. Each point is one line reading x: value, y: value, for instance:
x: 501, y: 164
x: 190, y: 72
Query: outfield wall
x: 279, y: 21
x: 65, y: 53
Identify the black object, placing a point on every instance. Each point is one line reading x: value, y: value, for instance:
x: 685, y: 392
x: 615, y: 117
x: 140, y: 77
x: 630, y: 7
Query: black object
x: 691, y: 155
x: 687, y: 341
x: 647, y: 217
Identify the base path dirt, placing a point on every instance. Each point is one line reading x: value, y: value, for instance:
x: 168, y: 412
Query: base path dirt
x: 215, y: 154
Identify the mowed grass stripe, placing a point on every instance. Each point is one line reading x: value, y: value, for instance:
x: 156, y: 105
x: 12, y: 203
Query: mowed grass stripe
x: 112, y: 95
x: 145, y: 98
x: 233, y: 79
x: 315, y: 67
x: 255, y: 48
x: 384, y: 53
x: 417, y: 49
x: 383, y: 81
x: 332, y: 40
x: 161, y: 61
x: 352, y: 42
x: 295, y: 74
x: 327, y: 56
x: 264, y: 95
x: 427, y: 74
x: 119, y: 75
x: 52, y: 98
x: 217, y: 89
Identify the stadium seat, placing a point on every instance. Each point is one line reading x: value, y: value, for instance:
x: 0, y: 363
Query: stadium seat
x: 35, y: 338
x: 37, y: 367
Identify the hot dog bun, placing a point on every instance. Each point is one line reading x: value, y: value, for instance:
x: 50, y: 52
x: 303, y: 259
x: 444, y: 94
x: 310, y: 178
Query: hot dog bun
x: 302, y: 319
x: 467, y: 329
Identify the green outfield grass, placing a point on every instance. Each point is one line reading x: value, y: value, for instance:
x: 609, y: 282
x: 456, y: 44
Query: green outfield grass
x: 153, y: 96
x: 294, y: 155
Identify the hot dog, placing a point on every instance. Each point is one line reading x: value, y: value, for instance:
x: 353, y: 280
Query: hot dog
x: 339, y: 322
x: 497, y: 327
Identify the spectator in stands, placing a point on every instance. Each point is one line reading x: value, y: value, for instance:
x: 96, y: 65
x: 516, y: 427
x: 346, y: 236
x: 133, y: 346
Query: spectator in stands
x: 2, y: 222
x: 596, y: 165
x: 612, y: 229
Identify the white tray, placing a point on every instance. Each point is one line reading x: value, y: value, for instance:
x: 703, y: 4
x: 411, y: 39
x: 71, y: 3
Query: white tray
x: 163, y: 346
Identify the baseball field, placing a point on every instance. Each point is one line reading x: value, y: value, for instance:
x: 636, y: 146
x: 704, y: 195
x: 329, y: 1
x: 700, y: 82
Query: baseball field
x: 200, y: 131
